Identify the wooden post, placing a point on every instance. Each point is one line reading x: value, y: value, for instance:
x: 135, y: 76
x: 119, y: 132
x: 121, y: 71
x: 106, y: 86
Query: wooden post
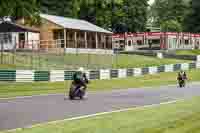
x: 102, y: 41
x: 105, y: 43
x: 32, y: 55
x: 96, y: 40
x: 65, y: 38
x: 75, y: 41
x: 86, y: 43
x: 65, y: 41
x: 1, y: 42
x: 14, y: 50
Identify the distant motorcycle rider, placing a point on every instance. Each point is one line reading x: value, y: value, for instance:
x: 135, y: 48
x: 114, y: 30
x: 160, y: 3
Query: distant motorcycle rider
x: 182, y: 77
x: 80, y: 79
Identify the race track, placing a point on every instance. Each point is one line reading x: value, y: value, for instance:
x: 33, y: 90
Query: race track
x: 23, y: 112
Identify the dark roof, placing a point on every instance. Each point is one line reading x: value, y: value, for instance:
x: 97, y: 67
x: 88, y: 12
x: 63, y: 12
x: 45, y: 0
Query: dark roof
x: 12, y: 27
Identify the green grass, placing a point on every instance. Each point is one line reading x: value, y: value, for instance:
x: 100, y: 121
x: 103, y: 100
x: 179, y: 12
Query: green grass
x: 128, y: 61
x: 180, y: 117
x: 25, y: 89
x: 72, y: 61
x: 188, y: 52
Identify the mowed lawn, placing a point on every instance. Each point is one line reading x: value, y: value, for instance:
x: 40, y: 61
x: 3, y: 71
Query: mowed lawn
x: 188, y: 52
x: 26, y: 89
x: 180, y: 117
x: 73, y: 61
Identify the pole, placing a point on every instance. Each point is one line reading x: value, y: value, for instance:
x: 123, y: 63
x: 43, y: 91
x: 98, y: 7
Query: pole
x: 14, y: 50
x: 65, y: 46
x: 1, y: 52
x: 65, y: 39
x: 32, y: 57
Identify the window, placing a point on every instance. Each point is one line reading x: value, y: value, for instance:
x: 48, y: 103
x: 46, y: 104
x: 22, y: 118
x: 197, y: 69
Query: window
x: 6, y: 38
x: 121, y: 41
x: 186, y: 42
x: 139, y: 42
x: 129, y: 43
x: 58, y: 34
x: 116, y: 41
x: 156, y: 41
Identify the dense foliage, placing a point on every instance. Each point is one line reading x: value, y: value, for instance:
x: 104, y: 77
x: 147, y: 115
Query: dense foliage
x: 114, y: 15
x: 169, y: 14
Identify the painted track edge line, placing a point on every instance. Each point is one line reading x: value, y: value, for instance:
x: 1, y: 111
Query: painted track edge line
x: 97, y: 114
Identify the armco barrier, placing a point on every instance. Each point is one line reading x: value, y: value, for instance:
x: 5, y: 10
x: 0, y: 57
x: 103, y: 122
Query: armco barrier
x: 41, y: 76
x: 24, y: 75
x: 57, y: 75
x: 103, y: 74
x: 161, y: 69
x: 130, y: 72
x: 7, y: 75
x: 192, y: 65
x: 145, y: 70
x: 114, y: 73
x: 68, y: 75
x: 137, y: 71
x: 94, y: 74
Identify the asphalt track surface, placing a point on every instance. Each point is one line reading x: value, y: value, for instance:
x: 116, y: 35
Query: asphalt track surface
x: 27, y: 111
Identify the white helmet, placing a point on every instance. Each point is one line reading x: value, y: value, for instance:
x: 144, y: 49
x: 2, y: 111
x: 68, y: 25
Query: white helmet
x: 81, y: 69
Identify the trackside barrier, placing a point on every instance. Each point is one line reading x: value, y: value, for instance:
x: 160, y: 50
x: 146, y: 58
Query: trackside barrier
x: 103, y: 74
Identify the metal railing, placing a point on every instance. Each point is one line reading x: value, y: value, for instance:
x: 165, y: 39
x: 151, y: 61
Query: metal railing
x: 53, y: 54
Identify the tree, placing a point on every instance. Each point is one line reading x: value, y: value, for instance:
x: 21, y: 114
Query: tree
x: 88, y: 11
x: 18, y: 9
x: 115, y: 15
x: 192, y: 20
x: 65, y: 8
x: 131, y: 15
x: 169, y: 11
x: 171, y: 25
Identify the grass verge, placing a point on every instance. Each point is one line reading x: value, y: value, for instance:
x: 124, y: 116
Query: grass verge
x: 180, y: 117
x: 72, y: 61
x: 27, y: 89
x: 188, y: 52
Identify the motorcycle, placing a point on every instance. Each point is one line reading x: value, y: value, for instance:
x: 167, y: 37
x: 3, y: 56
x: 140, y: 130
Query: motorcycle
x: 77, y: 91
x: 181, y: 83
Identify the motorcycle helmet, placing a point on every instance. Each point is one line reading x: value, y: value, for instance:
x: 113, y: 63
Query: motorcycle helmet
x: 81, y: 69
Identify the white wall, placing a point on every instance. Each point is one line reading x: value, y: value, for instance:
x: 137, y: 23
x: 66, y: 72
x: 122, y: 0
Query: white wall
x: 8, y: 44
x: 90, y: 51
x: 33, y: 39
x: 33, y: 36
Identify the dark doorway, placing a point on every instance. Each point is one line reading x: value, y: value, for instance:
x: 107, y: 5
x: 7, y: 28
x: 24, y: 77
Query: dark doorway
x: 21, y: 40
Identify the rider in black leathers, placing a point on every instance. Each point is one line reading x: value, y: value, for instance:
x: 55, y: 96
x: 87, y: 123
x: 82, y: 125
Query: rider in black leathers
x: 80, y: 79
x: 182, y: 77
x: 79, y: 83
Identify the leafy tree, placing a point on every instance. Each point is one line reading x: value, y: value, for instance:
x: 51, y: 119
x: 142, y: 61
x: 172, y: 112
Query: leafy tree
x: 169, y: 11
x: 65, y: 8
x: 193, y: 18
x: 88, y: 10
x: 20, y: 9
x: 172, y: 26
x: 115, y: 15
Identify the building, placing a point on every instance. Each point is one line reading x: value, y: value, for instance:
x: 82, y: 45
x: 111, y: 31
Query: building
x: 14, y: 36
x: 156, y: 41
x: 72, y: 34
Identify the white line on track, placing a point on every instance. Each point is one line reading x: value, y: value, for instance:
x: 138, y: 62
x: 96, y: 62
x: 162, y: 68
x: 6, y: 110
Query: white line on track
x: 98, y: 114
